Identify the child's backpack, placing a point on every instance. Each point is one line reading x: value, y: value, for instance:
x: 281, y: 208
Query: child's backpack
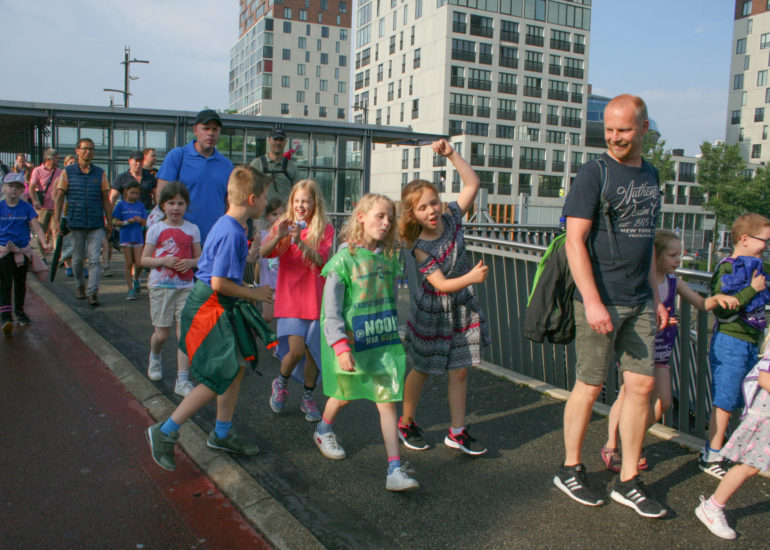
x: 550, y: 313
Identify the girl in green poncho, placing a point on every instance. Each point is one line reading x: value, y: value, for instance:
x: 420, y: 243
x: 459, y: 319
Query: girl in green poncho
x: 361, y: 352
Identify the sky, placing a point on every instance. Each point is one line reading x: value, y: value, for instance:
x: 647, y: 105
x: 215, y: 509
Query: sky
x: 673, y: 53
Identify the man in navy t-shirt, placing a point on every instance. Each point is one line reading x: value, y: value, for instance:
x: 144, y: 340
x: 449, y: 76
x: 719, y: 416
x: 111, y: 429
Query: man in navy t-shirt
x: 204, y: 171
x: 617, y: 310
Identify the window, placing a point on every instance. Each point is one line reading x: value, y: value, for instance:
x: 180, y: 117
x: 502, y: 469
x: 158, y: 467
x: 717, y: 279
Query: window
x: 460, y: 104
x: 687, y: 171
x: 767, y: 95
x: 507, y: 132
x: 746, y: 8
x: 506, y: 83
x: 482, y: 106
x: 455, y: 127
x: 764, y: 41
x: 343, y: 7
x: 532, y: 158
x: 531, y: 112
x: 415, y: 108
x: 301, y: 69
x: 341, y: 85
x: 343, y: 34
x: 300, y: 96
x: 509, y: 31
x: 287, y: 13
x: 285, y: 82
x: 761, y: 78
x: 756, y: 150
x: 324, y: 59
x: 416, y: 160
x: 343, y: 61
x: 501, y: 156
x: 509, y: 57
x: 479, y: 79
x: 322, y: 111
x: 303, y: 15
x: 301, y: 42
x: 287, y: 27
x: 462, y: 50
x: 534, y: 62
x: 418, y: 9
x: 735, y: 117
x: 458, y: 22
x: 324, y: 32
x: 485, y: 53
x: 341, y: 113
x: 323, y: 85
x: 759, y: 114
x: 286, y: 54
x: 738, y: 82
x: 481, y: 26
x: 554, y: 136
x: 417, y: 58
x: 284, y: 108
x: 764, y: 132
x: 746, y: 62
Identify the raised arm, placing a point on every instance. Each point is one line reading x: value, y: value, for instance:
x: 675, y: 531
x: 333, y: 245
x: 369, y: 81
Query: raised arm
x: 471, y: 182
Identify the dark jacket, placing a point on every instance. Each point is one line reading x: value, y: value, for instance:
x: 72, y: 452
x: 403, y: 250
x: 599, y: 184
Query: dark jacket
x: 85, y: 206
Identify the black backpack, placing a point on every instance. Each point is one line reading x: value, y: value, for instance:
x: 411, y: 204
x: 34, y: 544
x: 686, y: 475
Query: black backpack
x: 550, y: 312
x: 268, y: 172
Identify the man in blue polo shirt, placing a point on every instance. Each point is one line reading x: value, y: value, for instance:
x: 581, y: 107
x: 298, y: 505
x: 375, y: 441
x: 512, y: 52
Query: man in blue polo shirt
x: 204, y: 171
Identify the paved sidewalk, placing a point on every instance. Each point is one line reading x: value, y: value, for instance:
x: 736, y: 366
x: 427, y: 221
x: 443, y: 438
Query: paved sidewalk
x: 505, y: 499
x: 74, y: 461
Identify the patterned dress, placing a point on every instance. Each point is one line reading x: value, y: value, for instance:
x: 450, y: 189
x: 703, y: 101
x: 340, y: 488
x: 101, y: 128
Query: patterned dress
x: 445, y: 331
x: 750, y: 443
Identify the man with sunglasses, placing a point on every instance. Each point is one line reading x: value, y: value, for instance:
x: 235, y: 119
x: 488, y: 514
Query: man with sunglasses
x: 87, y: 190
x: 274, y: 163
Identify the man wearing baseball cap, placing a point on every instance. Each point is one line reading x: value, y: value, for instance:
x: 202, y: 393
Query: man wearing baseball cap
x: 42, y: 183
x: 137, y: 173
x: 274, y: 163
x: 204, y: 171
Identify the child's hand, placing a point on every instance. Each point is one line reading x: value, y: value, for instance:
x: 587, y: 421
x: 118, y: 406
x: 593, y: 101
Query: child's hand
x: 479, y: 273
x: 442, y: 147
x: 262, y: 294
x: 727, y: 302
x: 183, y: 266
x: 170, y: 261
x: 47, y: 248
x: 347, y: 363
x: 758, y: 282
x: 282, y: 228
x: 673, y: 321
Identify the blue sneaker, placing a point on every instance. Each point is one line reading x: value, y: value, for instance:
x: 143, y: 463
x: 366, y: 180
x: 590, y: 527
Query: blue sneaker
x: 137, y: 286
x: 68, y: 272
x: 278, y: 396
x: 131, y: 296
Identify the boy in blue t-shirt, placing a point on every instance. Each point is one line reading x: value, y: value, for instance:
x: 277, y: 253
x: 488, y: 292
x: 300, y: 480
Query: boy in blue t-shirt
x: 130, y: 216
x: 17, y: 217
x: 207, y: 334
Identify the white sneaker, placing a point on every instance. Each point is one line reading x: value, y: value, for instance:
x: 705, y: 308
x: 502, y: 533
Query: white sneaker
x: 399, y: 480
x: 155, y: 371
x: 714, y: 520
x: 183, y: 388
x: 327, y: 444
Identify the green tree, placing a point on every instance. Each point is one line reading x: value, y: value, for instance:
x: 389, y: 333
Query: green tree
x: 722, y: 176
x: 656, y: 154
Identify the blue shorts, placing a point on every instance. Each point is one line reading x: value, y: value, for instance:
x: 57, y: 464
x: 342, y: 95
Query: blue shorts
x: 731, y: 360
x: 310, y: 331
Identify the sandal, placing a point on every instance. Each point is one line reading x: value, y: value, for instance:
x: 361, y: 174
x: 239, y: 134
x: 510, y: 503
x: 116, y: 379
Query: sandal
x: 643, y: 464
x: 611, y: 459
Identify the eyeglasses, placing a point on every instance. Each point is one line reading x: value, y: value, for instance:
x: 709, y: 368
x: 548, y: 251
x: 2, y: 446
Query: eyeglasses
x: 766, y: 241
x: 86, y: 148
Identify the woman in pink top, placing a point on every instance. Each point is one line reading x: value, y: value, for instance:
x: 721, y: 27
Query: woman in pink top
x: 303, y: 240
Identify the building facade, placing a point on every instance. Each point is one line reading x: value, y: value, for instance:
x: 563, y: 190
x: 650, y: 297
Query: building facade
x: 292, y: 59
x: 506, y: 79
x: 749, y: 96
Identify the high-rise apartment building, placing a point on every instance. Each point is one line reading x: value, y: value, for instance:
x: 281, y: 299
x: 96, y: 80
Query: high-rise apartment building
x: 749, y: 97
x: 507, y: 79
x: 292, y: 59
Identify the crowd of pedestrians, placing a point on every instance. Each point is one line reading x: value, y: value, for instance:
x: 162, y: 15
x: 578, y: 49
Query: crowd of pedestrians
x: 335, y: 314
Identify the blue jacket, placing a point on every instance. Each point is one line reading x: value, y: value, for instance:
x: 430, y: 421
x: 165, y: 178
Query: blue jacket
x: 85, y: 206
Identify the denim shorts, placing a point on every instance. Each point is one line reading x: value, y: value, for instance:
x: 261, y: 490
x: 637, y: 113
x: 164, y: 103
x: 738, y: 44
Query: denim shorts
x: 630, y: 343
x: 731, y: 360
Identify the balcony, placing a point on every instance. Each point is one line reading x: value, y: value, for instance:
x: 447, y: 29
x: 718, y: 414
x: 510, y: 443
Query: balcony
x: 562, y: 45
x: 477, y: 84
x: 681, y: 199
x: 534, y: 66
x: 557, y: 166
x: 482, y: 112
x: 463, y: 55
x: 579, y: 48
x: 696, y: 200
x: 506, y: 114
x: 482, y: 30
x: 457, y: 81
x: 552, y: 119
x: 668, y: 199
x: 554, y: 69
x: 559, y: 95
x: 534, y: 40
x: 459, y: 27
x: 531, y: 164
x: 530, y: 117
x: 478, y: 160
x: 511, y: 62
x: 506, y: 88
x: 574, y: 73
x: 509, y: 36
x: 532, y: 91
x: 576, y: 98
x: 575, y: 166
x: 460, y: 109
x: 455, y: 129
x: 501, y: 162
x: 686, y: 176
x: 571, y: 122
x: 485, y: 58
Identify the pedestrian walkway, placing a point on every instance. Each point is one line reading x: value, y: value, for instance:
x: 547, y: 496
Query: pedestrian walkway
x: 505, y: 499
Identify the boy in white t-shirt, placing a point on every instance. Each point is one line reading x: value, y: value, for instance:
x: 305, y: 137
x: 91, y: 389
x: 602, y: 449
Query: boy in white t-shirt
x: 172, y: 248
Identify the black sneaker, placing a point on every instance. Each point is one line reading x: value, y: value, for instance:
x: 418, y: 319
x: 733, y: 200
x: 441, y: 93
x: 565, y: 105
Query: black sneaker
x: 718, y: 468
x: 22, y: 319
x: 572, y: 481
x: 411, y: 436
x: 634, y: 494
x: 464, y: 442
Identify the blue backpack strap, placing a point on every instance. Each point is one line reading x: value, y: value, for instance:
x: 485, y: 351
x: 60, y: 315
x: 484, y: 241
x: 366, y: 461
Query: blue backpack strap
x: 606, y: 207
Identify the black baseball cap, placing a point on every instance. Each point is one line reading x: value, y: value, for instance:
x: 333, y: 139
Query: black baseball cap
x: 206, y: 116
x: 276, y: 133
x: 136, y: 155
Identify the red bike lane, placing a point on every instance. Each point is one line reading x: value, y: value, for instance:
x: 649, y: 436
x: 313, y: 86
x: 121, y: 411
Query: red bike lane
x: 76, y: 468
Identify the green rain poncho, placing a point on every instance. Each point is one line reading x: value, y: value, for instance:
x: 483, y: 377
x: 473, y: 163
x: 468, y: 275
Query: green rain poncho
x: 371, y: 325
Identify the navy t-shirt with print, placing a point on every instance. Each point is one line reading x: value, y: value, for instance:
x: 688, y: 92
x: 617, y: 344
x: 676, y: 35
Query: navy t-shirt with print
x: 634, y: 197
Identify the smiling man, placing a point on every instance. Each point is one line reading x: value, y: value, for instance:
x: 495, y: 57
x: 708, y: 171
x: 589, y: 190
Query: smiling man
x: 202, y: 169
x: 611, y: 212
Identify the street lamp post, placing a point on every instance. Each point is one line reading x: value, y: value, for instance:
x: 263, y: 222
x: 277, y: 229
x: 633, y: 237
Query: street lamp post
x: 127, y: 78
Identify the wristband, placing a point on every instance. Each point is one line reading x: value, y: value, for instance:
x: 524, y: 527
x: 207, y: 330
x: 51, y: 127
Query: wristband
x: 341, y: 347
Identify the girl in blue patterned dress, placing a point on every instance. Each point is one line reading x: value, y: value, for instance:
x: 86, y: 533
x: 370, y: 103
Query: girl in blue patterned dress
x: 446, y: 329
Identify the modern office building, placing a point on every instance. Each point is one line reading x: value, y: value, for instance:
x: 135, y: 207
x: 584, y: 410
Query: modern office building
x: 292, y: 59
x: 749, y: 96
x: 506, y: 79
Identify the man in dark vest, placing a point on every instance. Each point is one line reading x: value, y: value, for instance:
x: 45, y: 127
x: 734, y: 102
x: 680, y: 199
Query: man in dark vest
x: 277, y: 165
x: 87, y: 191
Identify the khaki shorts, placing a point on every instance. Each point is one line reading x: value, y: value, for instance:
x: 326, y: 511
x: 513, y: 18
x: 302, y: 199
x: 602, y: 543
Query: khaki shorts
x: 166, y: 305
x: 631, y: 342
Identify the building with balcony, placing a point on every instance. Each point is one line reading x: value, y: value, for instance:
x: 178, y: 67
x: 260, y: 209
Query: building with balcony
x: 507, y: 81
x: 749, y: 87
x: 292, y: 59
